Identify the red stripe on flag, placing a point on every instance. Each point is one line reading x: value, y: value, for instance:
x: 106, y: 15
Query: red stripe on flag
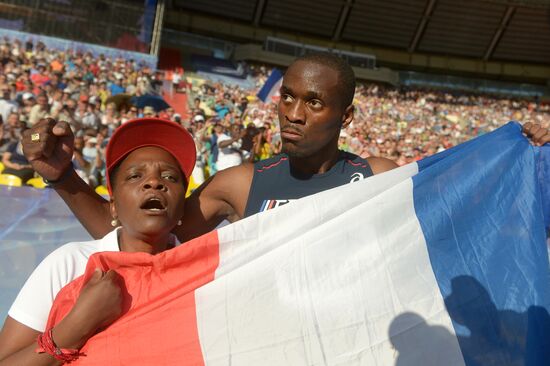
x: 159, y: 324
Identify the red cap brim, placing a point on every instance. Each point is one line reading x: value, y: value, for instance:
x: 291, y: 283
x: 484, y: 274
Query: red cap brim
x: 158, y: 132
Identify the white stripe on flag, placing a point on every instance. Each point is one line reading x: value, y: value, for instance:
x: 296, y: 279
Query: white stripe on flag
x: 302, y: 303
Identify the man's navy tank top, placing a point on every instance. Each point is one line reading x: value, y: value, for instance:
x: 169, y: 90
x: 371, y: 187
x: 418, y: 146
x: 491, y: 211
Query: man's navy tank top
x: 273, y: 185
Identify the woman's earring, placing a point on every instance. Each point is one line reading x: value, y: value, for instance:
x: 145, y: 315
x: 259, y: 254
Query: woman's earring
x: 115, y: 223
x: 179, y: 222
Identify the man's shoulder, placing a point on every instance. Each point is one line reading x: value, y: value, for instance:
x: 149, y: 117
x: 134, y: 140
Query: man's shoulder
x: 352, y: 157
x: 381, y: 165
x: 237, y: 172
x: 377, y: 164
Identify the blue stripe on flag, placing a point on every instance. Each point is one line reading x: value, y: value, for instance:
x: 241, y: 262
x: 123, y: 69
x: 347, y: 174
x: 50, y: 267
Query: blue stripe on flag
x: 271, y: 83
x: 481, y: 213
x: 544, y: 179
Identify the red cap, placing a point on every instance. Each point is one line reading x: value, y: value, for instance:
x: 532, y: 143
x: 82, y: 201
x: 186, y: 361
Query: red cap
x: 142, y: 132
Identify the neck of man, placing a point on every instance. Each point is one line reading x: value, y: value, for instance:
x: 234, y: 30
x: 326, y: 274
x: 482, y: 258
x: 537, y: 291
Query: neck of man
x: 318, y: 163
x: 151, y: 244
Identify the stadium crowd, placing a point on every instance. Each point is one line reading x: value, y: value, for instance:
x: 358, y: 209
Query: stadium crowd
x: 229, y: 124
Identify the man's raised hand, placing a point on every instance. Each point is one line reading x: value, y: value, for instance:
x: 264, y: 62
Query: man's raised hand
x: 48, y: 146
x: 536, y: 133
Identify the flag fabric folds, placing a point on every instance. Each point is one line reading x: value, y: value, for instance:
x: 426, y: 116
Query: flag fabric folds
x: 443, y: 262
x: 271, y: 87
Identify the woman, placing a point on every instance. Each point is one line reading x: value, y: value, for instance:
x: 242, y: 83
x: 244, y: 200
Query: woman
x: 149, y: 162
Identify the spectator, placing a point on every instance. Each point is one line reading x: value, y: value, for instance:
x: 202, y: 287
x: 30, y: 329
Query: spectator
x: 197, y: 110
x: 15, y: 163
x: 116, y: 86
x: 221, y: 109
x: 90, y: 119
x: 40, y: 110
x: 262, y: 148
x: 229, y: 148
x: 247, y: 146
x: 148, y: 111
x: 7, y: 106
x: 82, y: 167
x: 5, y: 140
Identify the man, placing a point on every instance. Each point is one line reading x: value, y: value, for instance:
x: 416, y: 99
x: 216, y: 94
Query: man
x: 90, y: 119
x: 217, y: 131
x: 5, y: 138
x: 116, y: 86
x: 7, y: 106
x: 229, y: 148
x: 221, y: 109
x: 14, y: 127
x: 197, y: 110
x: 39, y: 110
x: 315, y: 104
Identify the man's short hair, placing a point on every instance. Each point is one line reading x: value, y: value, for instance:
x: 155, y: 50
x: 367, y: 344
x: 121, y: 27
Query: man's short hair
x: 346, y: 76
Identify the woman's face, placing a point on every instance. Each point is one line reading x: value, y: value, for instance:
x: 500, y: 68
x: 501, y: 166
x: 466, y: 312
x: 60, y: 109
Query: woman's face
x: 148, y: 193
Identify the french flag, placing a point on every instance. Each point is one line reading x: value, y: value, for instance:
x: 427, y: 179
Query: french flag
x: 271, y: 87
x: 440, y: 262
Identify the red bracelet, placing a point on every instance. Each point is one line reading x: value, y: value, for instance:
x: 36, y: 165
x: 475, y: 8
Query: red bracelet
x: 47, y: 345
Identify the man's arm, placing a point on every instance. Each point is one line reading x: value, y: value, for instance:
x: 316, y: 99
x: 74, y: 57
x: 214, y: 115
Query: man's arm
x: 223, y: 196
x: 50, y: 156
x: 90, y: 209
x: 225, y: 143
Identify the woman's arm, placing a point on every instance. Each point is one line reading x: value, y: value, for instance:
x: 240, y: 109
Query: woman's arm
x: 18, y: 345
x: 98, y: 305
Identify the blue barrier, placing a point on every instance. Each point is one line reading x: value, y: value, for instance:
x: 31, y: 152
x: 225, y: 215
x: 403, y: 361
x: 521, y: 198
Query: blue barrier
x: 33, y: 222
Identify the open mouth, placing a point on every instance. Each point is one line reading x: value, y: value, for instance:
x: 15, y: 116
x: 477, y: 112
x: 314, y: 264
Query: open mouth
x: 153, y: 204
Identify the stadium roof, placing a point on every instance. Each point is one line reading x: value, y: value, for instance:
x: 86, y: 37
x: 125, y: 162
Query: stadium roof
x: 499, y: 30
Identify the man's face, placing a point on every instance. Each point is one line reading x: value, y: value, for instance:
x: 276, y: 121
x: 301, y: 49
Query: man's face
x: 78, y: 143
x: 13, y: 120
x: 311, y: 112
x: 235, y: 130
x: 42, y: 101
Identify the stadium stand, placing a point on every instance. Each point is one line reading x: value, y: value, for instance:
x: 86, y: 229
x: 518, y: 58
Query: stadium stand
x: 402, y: 123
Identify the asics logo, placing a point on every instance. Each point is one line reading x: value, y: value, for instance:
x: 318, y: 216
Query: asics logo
x: 356, y: 177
